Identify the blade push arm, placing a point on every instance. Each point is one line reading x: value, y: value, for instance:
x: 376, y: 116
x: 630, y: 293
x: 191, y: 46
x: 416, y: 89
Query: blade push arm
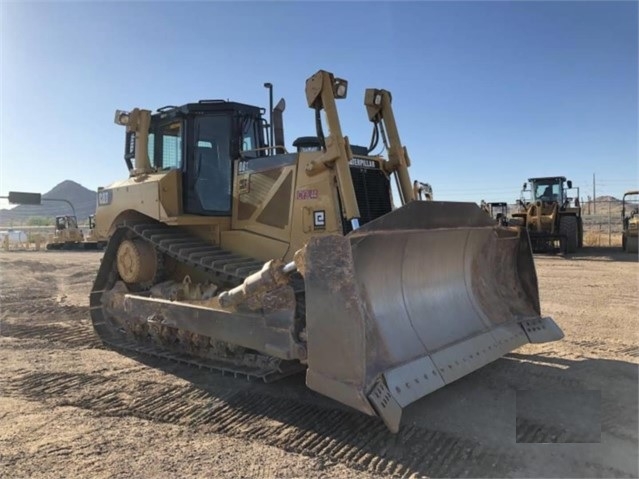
x: 380, y: 111
x: 321, y: 91
x: 137, y: 124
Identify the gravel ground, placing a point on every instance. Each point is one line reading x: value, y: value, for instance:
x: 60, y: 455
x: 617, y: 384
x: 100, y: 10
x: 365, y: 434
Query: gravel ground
x: 72, y: 408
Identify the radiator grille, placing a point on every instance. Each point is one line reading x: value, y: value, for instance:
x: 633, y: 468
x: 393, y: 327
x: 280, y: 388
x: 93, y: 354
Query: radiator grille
x: 373, y: 192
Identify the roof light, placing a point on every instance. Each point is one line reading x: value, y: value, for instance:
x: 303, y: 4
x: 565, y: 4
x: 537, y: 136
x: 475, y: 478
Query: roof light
x: 121, y: 117
x: 340, y: 88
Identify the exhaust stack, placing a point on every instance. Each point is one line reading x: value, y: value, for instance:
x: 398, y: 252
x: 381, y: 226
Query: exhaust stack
x: 278, y: 126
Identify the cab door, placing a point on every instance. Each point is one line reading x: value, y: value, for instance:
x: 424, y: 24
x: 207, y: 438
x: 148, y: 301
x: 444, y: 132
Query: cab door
x: 208, y: 171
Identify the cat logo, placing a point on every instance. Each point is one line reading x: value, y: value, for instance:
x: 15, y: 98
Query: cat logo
x: 363, y: 163
x: 105, y: 197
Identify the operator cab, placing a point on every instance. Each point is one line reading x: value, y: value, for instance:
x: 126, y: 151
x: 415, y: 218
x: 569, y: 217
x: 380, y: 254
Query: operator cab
x: 63, y: 222
x: 549, y: 189
x: 202, y: 140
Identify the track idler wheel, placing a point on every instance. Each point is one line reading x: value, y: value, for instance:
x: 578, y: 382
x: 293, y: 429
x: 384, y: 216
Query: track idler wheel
x: 137, y: 261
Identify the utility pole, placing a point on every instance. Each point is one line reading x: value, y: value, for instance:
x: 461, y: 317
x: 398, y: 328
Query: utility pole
x: 609, y: 224
x: 589, y: 201
x: 594, y: 196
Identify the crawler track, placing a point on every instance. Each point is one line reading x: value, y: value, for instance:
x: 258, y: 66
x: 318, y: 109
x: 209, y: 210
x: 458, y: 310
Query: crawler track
x: 223, y: 268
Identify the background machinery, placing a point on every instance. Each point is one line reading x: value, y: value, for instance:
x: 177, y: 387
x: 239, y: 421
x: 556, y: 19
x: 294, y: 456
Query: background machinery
x: 67, y: 235
x: 230, y: 253
x: 630, y: 218
x: 93, y: 240
x: 422, y: 191
x: 552, y: 218
x: 497, y: 210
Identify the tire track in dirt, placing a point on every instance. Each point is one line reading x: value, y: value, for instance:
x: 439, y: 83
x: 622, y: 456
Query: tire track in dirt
x: 44, y: 309
x: 619, y: 418
x: 517, y: 371
x: 76, y: 336
x: 618, y: 410
x: 334, y: 435
x: 613, y: 349
x: 529, y: 431
x: 33, y: 266
x: 12, y: 298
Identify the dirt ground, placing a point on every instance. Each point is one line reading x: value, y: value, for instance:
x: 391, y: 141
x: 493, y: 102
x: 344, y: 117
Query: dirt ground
x: 69, y: 407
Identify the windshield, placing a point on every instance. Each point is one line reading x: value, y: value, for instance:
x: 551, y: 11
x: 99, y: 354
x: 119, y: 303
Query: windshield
x: 548, y: 191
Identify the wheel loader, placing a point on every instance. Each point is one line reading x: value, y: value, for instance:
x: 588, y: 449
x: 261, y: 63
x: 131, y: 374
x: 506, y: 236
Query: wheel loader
x: 497, y: 210
x: 422, y: 191
x: 228, y: 252
x: 552, y: 218
x: 630, y: 218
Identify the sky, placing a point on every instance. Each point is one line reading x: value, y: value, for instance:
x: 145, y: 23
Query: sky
x: 486, y: 94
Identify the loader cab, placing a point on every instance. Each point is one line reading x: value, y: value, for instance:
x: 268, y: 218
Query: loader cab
x: 499, y: 211
x: 201, y: 140
x: 547, y: 190
x: 629, y: 206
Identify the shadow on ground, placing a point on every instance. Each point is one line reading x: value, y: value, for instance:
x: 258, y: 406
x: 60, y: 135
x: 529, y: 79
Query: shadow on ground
x: 470, y: 428
x: 601, y: 253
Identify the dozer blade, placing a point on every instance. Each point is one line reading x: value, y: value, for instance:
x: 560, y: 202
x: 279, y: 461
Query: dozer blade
x: 415, y: 300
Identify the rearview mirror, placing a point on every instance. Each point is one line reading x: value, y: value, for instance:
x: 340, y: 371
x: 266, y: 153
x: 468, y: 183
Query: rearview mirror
x: 569, y: 184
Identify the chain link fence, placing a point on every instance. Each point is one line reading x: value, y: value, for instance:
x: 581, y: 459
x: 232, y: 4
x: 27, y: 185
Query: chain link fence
x: 603, y: 223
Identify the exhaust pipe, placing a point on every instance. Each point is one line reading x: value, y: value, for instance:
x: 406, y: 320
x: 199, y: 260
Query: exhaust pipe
x: 269, y: 86
x: 278, y: 125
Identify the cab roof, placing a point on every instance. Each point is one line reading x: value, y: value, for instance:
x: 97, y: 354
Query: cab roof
x: 207, y: 105
x: 542, y: 178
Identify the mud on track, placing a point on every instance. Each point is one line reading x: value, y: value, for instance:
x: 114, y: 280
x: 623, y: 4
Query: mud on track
x: 72, y: 407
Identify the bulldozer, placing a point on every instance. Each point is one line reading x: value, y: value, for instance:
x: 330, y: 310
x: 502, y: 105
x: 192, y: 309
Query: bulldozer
x: 93, y: 240
x: 552, y: 218
x: 630, y: 219
x: 230, y: 253
x: 67, y: 235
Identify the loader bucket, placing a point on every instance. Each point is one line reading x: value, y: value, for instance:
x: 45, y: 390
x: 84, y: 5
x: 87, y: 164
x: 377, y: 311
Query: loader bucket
x: 415, y: 300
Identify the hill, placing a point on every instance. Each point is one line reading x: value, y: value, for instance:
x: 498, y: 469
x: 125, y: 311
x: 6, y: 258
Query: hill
x: 83, y: 200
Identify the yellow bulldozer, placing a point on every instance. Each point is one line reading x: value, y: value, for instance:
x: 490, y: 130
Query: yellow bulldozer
x: 630, y: 218
x: 552, y: 218
x: 93, y: 240
x: 67, y: 235
x: 228, y: 252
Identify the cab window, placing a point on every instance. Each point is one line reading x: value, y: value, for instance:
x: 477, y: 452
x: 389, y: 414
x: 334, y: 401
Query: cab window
x: 250, y: 140
x: 171, y: 145
x: 165, y: 146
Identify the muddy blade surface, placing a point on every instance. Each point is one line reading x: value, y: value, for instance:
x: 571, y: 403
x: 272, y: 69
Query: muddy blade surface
x: 415, y: 300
